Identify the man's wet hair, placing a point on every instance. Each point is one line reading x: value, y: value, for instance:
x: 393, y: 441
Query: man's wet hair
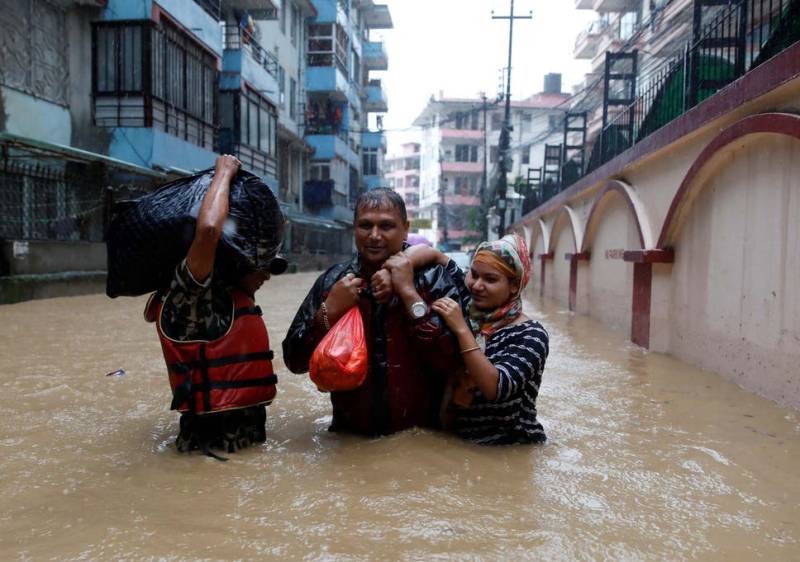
x: 381, y: 198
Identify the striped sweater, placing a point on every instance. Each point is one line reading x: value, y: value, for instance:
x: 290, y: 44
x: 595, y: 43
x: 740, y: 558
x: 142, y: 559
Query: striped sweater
x: 518, y: 352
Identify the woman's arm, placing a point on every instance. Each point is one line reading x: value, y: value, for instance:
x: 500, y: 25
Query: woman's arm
x: 421, y: 256
x: 481, y: 370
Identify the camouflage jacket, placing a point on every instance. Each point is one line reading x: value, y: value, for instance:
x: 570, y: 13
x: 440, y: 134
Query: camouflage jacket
x: 196, y: 311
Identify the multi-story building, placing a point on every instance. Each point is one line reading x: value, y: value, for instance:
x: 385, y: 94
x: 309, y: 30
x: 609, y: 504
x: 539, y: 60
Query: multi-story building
x: 460, y: 148
x: 58, y: 164
x: 656, y: 29
x: 340, y: 94
x: 402, y: 175
x: 453, y: 164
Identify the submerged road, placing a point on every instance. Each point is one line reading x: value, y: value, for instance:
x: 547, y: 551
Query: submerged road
x: 647, y: 459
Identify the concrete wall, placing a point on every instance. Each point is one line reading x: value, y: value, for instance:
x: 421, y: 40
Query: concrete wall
x: 706, y: 211
x: 609, y: 277
x: 31, y: 257
x: 35, y: 118
x: 735, y: 296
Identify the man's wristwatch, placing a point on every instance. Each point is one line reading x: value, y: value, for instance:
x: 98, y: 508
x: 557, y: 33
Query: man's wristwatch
x: 418, y: 310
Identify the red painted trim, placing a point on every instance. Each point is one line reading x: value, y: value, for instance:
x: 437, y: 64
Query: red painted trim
x: 649, y: 256
x: 547, y: 256
x: 541, y: 277
x: 780, y: 69
x: 640, y: 309
x: 618, y: 187
x: 582, y: 256
x: 573, y: 284
x: 775, y: 123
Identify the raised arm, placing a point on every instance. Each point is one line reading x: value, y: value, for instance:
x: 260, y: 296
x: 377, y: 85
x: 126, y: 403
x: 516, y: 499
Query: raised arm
x: 211, y: 219
x: 421, y: 256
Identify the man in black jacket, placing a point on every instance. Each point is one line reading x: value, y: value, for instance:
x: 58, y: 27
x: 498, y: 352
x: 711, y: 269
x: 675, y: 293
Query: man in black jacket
x: 410, y: 350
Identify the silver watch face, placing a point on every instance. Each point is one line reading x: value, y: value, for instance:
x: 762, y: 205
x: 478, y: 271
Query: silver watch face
x: 418, y: 309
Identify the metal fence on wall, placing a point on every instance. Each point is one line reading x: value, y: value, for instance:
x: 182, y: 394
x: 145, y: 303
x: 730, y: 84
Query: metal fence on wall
x: 728, y: 40
x: 38, y: 203
x: 736, y: 38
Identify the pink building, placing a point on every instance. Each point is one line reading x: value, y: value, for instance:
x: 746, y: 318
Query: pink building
x: 403, y: 176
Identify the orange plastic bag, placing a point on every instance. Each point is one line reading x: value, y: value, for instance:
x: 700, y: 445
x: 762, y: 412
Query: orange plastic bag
x: 340, y: 360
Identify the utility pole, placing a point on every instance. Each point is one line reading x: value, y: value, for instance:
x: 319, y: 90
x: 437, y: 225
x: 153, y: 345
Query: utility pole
x: 505, y: 133
x: 484, y: 179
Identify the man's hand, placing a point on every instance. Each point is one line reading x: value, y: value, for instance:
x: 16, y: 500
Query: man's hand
x: 226, y: 166
x: 382, y: 286
x: 343, y: 296
x: 402, y: 274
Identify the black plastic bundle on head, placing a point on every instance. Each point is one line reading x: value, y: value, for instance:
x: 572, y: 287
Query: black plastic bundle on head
x: 149, y: 236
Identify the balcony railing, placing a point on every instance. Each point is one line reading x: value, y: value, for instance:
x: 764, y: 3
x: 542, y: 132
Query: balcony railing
x: 586, y: 42
x: 729, y: 41
x: 237, y: 38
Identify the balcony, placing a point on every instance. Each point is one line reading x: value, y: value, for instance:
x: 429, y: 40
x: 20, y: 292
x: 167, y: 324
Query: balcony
x: 462, y: 134
x: 374, y: 182
x: 587, y: 41
x: 616, y: 6
x: 671, y: 28
x: 373, y: 139
x: 377, y: 16
x: 374, y: 56
x: 376, y: 98
x: 245, y: 59
x: 463, y: 167
x: 327, y: 80
x: 328, y: 147
x: 259, y: 9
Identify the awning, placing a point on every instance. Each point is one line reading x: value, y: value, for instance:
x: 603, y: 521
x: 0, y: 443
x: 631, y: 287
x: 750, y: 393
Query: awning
x: 44, y: 148
x: 317, y: 222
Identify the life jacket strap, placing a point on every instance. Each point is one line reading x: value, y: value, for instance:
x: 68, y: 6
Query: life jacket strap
x: 184, y: 368
x: 245, y: 310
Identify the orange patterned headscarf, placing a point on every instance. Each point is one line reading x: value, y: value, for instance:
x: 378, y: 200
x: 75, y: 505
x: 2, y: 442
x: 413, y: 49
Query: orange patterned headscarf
x: 509, y: 255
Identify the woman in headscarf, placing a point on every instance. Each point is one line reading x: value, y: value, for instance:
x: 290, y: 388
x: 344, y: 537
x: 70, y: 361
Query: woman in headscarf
x: 504, y: 351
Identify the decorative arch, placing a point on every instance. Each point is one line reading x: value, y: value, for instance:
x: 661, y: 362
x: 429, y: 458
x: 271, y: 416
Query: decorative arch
x: 634, y: 204
x: 537, y: 228
x: 765, y: 123
x: 575, y: 227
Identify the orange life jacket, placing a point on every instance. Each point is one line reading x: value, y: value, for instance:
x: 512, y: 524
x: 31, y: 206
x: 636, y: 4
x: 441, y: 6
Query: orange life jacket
x: 232, y: 371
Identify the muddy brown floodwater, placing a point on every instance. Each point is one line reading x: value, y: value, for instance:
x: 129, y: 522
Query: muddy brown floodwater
x: 648, y: 459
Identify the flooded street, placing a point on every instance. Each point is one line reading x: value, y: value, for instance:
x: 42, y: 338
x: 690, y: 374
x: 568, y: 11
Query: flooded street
x: 647, y: 459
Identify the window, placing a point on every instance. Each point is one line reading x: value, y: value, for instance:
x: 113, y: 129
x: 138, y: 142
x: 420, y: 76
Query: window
x: 474, y: 121
x: 527, y: 118
x: 355, y: 68
x: 320, y: 172
x: 293, y: 23
x: 462, y: 185
x: 327, y: 47
x: 466, y: 153
x: 282, y: 16
x: 282, y: 86
x: 129, y: 92
x: 526, y: 156
x: 493, y: 153
x: 293, y: 98
x: 497, y: 121
x: 370, y: 162
x: 258, y: 123
x: 553, y: 122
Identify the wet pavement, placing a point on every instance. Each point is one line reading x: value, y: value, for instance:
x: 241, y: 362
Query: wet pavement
x: 647, y: 459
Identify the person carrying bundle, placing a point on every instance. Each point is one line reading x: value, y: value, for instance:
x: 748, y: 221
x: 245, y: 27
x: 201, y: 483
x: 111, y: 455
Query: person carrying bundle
x: 215, y: 343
